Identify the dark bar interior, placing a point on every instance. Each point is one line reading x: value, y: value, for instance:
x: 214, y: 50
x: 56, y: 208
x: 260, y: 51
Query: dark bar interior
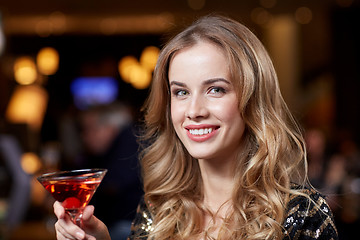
x: 43, y: 108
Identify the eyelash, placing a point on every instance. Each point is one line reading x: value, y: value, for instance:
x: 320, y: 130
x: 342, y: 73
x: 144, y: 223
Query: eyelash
x: 218, y: 89
x: 179, y: 92
x: 184, y: 92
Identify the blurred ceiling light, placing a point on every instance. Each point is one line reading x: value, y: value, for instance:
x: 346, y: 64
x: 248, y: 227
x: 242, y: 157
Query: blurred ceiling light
x: 125, y: 65
x: 25, y: 70
x: 196, y: 4
x: 268, y: 3
x: 47, y: 61
x: 58, y: 22
x: 30, y: 163
x: 149, y: 57
x: 27, y: 105
x: 260, y: 16
x: 43, y: 27
x: 108, y: 26
x: 140, y: 77
x: 303, y: 15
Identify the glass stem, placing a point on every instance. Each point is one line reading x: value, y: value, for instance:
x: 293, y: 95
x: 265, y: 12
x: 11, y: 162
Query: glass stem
x: 76, y: 216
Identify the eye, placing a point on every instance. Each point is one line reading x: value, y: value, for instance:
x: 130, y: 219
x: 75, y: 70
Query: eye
x: 217, y: 90
x: 180, y: 92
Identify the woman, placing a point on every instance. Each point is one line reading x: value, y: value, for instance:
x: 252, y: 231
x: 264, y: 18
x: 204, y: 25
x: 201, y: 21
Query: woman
x: 224, y: 149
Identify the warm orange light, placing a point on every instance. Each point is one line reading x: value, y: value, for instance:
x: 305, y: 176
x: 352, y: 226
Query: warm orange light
x: 149, y: 57
x: 25, y: 70
x: 139, y: 73
x: 303, y: 15
x: 30, y: 162
x: 47, y: 61
x: 140, y: 77
x: 261, y: 16
x: 27, y: 105
x: 125, y: 67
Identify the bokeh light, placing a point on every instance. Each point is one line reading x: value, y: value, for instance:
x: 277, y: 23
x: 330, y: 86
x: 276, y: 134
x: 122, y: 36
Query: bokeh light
x: 140, y: 77
x: 303, y: 15
x: 48, y: 61
x: 25, y: 70
x: 27, y: 105
x: 139, y: 72
x: 149, y: 57
x: 30, y: 163
x: 125, y: 67
x: 260, y: 16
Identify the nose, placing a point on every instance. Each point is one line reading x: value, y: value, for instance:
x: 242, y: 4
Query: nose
x: 197, y: 108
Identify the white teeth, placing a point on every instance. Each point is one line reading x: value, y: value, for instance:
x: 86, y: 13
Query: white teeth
x: 201, y: 131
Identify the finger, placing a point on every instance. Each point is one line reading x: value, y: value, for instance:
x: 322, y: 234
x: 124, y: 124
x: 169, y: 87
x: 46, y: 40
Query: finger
x: 61, y: 233
x: 68, y: 229
x: 94, y: 228
x: 59, y: 210
x: 89, y: 221
x: 88, y: 213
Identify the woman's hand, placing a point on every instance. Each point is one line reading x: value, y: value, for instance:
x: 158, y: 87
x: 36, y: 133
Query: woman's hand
x: 91, y: 227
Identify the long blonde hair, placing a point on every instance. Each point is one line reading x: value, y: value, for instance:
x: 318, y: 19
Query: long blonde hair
x: 272, y: 146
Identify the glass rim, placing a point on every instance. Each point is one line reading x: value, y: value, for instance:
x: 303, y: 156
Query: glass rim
x: 72, y: 173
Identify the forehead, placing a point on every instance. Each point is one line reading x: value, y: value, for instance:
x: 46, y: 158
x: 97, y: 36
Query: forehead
x: 201, y: 47
x: 201, y: 58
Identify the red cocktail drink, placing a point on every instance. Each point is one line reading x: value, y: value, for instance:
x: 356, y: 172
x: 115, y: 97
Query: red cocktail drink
x: 74, y: 189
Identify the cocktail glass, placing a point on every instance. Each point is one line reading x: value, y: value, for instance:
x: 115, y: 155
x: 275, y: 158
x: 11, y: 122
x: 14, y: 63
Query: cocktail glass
x: 73, y: 189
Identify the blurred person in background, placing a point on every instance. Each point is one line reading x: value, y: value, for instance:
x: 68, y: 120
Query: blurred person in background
x: 14, y: 185
x: 109, y: 140
x: 342, y: 185
x: 316, y: 144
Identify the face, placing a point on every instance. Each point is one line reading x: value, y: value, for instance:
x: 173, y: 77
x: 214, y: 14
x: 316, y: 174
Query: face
x: 204, y: 104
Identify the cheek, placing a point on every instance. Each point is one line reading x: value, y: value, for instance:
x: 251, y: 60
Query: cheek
x: 177, y: 111
x: 175, y: 115
x: 227, y: 111
x: 172, y: 113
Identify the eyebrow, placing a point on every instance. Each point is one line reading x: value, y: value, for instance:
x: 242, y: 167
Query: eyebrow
x: 207, y: 82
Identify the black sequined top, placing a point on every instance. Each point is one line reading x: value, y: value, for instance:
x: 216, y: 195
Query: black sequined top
x: 304, y: 221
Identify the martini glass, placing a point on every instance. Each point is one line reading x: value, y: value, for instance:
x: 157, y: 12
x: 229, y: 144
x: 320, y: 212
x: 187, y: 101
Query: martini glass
x: 73, y: 189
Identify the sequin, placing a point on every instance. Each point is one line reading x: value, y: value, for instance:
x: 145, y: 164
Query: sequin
x: 304, y: 219
x: 147, y: 225
x: 325, y: 209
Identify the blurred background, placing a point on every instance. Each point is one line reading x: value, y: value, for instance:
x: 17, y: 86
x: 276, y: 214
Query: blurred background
x: 74, y: 75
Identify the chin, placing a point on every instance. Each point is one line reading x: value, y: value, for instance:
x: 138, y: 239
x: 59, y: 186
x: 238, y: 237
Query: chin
x: 200, y: 155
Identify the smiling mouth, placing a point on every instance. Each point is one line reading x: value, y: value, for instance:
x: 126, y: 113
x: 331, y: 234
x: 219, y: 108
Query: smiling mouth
x: 201, y: 131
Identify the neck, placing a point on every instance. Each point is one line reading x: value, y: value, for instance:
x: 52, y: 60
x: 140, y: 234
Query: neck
x: 218, y: 185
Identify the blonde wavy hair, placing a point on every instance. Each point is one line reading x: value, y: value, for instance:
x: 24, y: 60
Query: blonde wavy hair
x: 272, y: 148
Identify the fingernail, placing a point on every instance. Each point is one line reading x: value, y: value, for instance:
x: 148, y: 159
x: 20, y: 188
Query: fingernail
x: 80, y: 235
